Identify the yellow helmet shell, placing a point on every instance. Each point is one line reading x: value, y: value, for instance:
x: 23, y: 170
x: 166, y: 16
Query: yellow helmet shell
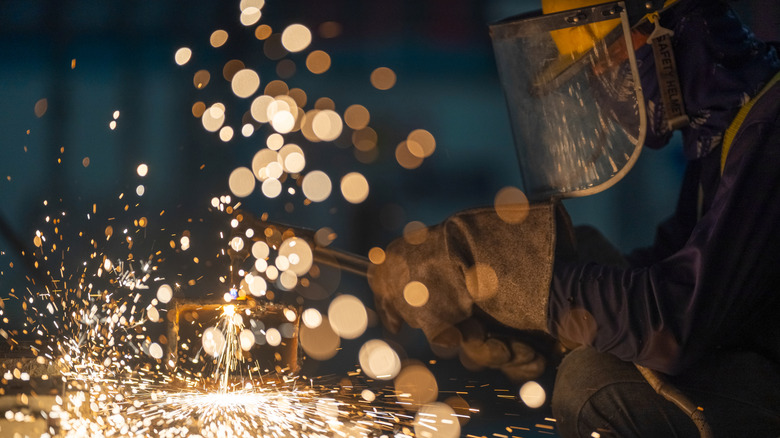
x: 578, y: 39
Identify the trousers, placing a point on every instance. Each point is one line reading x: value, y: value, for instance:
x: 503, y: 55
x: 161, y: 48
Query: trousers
x: 598, y: 395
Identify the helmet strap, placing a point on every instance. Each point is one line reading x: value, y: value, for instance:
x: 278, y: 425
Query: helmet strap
x: 666, y: 70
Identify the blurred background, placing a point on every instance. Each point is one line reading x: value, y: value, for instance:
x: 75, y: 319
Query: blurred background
x: 90, y: 89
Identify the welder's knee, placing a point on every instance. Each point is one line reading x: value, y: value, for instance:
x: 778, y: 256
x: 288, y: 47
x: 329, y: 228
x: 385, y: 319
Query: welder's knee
x: 597, y: 392
x: 580, y: 375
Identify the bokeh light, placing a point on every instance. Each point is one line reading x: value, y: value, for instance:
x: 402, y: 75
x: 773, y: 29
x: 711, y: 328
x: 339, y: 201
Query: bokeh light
x: 242, y: 182
x: 325, y: 103
x: 378, y: 360
x: 155, y: 350
x: 329, y: 29
x: 364, y: 139
x: 213, y: 341
x: 272, y: 273
x: 327, y: 125
x: 406, y: 158
x: 274, y: 141
x: 421, y: 143
x: 246, y: 339
x: 320, y: 342
x: 237, y: 243
x: 218, y: 38
x: 318, y: 62
x: 532, y: 394
x: 383, y: 78
x: 276, y: 88
x: 245, y: 82
x: 201, y: 78
x: 299, y: 255
x: 299, y: 96
x: 226, y: 133
x: 578, y: 326
x: 296, y: 37
x: 354, y: 187
x: 164, y: 293
x: 461, y: 408
x: 246, y: 4
x: 271, y: 188
x: 40, y: 107
x: 368, y: 395
x: 416, y: 386
x: 292, y: 158
x: 153, y: 314
x: 213, y: 117
x: 415, y: 232
x: 259, y: 108
x: 231, y: 68
x: 250, y: 16
x: 348, y: 316
x: 198, y: 108
x: 316, y: 186
x: 416, y: 294
x: 357, y: 117
x: 263, y: 31
x: 258, y: 286
x: 436, y: 420
x: 260, y: 250
x: 286, y: 68
x: 511, y: 205
x: 273, y: 337
x: 376, y: 255
x: 481, y: 282
x: 324, y: 236
x: 273, y: 47
x: 183, y: 55
x: 290, y: 315
x: 312, y: 318
x: 283, y: 122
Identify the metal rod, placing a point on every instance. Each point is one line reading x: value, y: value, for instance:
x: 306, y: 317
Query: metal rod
x: 346, y: 261
x: 328, y: 256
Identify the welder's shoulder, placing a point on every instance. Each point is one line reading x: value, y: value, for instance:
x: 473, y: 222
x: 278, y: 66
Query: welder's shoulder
x: 758, y: 135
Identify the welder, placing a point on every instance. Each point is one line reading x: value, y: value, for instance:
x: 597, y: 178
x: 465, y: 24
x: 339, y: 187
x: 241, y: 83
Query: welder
x: 588, y: 86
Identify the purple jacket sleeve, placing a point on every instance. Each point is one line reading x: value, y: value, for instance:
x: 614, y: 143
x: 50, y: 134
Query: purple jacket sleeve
x: 706, y: 293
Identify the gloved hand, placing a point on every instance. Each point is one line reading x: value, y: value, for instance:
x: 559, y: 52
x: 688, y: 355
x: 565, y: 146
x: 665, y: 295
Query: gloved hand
x: 472, y: 260
x: 501, y: 350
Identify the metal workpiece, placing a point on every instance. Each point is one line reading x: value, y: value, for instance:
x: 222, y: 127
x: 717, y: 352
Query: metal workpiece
x: 244, y: 323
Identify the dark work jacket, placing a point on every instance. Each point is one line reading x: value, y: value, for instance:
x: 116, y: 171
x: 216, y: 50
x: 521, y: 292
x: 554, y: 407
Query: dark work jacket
x: 712, y: 279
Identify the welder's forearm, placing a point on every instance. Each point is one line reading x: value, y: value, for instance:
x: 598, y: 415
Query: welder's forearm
x: 620, y: 311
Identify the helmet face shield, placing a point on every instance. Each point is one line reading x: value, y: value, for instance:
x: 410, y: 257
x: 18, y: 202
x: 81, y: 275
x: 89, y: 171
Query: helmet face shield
x: 574, y: 98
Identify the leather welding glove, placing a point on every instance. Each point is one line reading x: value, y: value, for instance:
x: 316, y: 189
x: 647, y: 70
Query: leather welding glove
x: 507, y: 352
x: 473, y: 260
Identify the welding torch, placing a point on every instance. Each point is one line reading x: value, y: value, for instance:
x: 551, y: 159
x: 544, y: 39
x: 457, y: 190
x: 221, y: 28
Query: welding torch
x: 273, y: 233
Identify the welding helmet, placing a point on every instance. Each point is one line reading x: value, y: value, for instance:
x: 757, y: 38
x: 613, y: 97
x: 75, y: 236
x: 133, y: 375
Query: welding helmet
x: 572, y: 86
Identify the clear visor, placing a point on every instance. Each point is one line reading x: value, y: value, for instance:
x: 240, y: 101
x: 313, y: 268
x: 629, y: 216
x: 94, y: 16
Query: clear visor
x: 574, y: 97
